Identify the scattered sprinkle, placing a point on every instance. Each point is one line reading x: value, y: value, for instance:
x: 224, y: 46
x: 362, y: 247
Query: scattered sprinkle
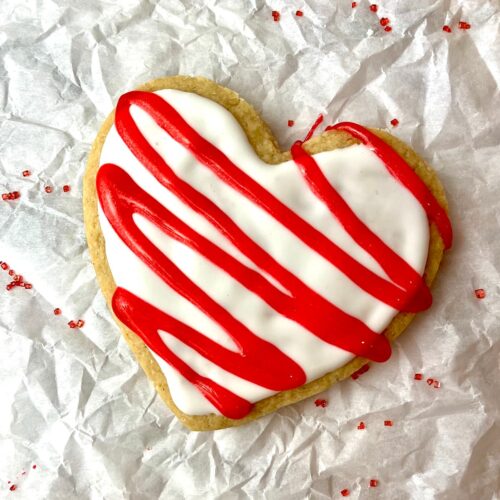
x: 13, y: 488
x: 80, y: 323
x: 57, y: 311
x: 4, y: 266
x: 66, y: 188
x: 480, y: 293
x: 26, y: 173
x: 28, y: 286
x: 418, y: 376
x: 384, y: 21
x: 446, y: 28
x: 394, y: 122
x: 299, y: 13
x: 374, y: 7
x: 321, y: 402
x: 12, y: 272
x: 387, y: 28
x: 373, y: 483
x: 345, y: 492
x: 463, y: 25
x: 48, y: 189
x: 276, y: 15
x: 360, y: 372
x: 354, y: 5
x: 437, y: 384
x: 14, y: 195
x: 34, y: 466
x: 361, y: 426
x: 388, y: 423
x: 430, y: 381
x: 291, y: 123
x: 72, y: 324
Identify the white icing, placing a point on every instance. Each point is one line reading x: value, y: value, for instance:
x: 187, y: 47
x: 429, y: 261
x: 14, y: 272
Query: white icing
x: 357, y: 174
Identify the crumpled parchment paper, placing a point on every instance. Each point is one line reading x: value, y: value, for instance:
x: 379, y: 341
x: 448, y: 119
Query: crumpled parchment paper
x: 74, y: 402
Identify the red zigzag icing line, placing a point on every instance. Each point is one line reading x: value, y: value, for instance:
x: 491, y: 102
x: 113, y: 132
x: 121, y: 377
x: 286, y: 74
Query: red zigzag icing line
x: 256, y: 360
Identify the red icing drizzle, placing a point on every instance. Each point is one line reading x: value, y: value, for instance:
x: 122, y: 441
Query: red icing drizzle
x: 404, y: 174
x: 254, y: 359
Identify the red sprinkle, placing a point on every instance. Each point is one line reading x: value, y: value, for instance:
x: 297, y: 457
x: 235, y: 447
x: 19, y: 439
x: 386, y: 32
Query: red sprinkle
x: 299, y: 13
x: 57, y: 311
x: 11, y: 272
x: 276, y: 15
x: 388, y: 423
x: 361, y: 426
x: 384, y: 21
x: 321, y: 402
x: 437, y: 384
x: 463, y: 25
x: 374, y: 7
x: 4, y: 266
x: 28, y: 286
x: 387, y: 28
x: 26, y: 173
x: 66, y: 188
x: 80, y: 323
x: 48, y: 189
x: 430, y: 381
x: 360, y: 372
x: 34, y: 466
x: 5, y: 196
x: 13, y: 488
x: 72, y: 324
x: 373, y: 483
x: 480, y: 293
x: 418, y: 376
x: 354, y: 5
x: 291, y: 123
x: 9, y: 287
x: 446, y: 28
x: 394, y: 122
x: 345, y: 492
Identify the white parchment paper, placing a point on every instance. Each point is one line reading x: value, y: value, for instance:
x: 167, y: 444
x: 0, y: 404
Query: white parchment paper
x: 74, y: 402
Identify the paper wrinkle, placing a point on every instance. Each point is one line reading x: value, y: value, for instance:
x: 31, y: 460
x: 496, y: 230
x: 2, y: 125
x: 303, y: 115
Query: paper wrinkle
x: 75, y: 402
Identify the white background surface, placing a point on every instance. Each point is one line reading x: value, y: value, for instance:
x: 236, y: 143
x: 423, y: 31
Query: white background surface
x: 75, y: 403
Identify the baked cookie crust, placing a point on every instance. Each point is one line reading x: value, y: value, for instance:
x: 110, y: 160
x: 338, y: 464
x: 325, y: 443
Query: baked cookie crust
x: 266, y: 146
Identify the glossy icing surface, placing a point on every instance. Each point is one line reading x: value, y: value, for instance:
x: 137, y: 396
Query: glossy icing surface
x: 375, y: 196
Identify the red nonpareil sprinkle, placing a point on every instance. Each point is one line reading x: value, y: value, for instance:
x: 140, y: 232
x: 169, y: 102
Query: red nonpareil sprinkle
x: 384, y: 21
x: 13, y: 488
x: 354, y: 5
x: 80, y: 323
x: 72, y: 324
x: 437, y: 384
x: 4, y: 266
x: 299, y: 13
x: 9, y: 287
x: 480, y: 293
x: 361, y: 426
x: 321, y: 402
x: 388, y: 423
x: 291, y: 123
x: 373, y: 483
x: 26, y: 173
x: 57, y: 311
x: 28, y: 286
x: 446, y: 28
x: 463, y: 25
x: 34, y: 466
x: 394, y: 122
x: 430, y: 381
x: 66, y: 188
x: 276, y: 15
x: 5, y: 196
x: 388, y: 29
x: 11, y: 272
x: 16, y: 195
x: 48, y: 189
x: 418, y: 376
x: 345, y: 492
x: 374, y: 7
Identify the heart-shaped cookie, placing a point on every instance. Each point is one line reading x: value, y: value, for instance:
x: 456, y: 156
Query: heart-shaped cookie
x: 245, y: 278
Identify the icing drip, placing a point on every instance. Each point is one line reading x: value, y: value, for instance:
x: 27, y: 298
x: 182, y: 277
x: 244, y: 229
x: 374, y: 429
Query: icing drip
x: 252, y: 358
